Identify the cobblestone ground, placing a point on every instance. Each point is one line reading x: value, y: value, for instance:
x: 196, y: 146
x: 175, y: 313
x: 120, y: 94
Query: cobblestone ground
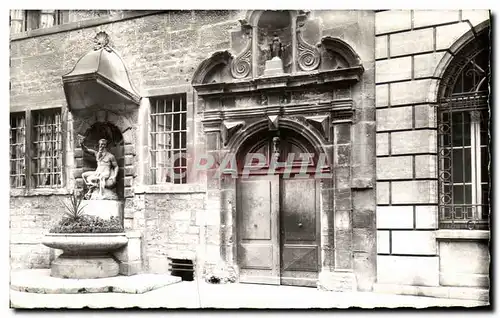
x: 203, y: 295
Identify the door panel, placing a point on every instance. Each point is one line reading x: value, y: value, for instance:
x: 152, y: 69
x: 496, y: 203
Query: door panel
x: 299, y: 232
x: 258, y: 237
x: 300, y: 258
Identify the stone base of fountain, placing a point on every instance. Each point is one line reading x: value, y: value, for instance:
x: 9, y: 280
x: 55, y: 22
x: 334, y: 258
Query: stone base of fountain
x: 84, y: 267
x: 85, y: 255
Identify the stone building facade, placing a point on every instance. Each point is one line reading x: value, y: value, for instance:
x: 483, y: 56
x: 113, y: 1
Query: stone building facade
x: 368, y: 95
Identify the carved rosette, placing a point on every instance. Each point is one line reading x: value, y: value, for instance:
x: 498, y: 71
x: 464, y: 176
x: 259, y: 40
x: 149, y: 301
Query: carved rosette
x: 308, y: 55
x: 241, y: 65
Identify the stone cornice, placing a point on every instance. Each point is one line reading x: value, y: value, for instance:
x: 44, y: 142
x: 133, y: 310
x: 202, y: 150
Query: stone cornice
x: 346, y: 75
x: 340, y: 109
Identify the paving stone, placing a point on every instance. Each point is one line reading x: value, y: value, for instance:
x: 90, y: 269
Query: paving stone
x: 202, y: 295
x: 39, y: 281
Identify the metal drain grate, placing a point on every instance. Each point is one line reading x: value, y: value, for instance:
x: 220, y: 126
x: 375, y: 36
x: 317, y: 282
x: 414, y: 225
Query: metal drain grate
x: 183, y: 268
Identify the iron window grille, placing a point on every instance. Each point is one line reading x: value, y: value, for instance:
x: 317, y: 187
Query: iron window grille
x: 463, y: 140
x: 47, y: 148
x: 17, y: 143
x: 26, y: 20
x: 168, y: 139
x: 36, y: 149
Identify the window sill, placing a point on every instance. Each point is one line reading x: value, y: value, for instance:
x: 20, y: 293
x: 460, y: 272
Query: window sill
x: 170, y: 188
x: 462, y: 235
x: 37, y: 192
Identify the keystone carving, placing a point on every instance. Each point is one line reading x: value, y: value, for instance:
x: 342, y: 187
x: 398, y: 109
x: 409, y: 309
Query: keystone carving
x: 273, y: 122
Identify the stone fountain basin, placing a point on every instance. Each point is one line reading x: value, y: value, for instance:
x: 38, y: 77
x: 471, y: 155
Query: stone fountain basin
x: 88, y: 242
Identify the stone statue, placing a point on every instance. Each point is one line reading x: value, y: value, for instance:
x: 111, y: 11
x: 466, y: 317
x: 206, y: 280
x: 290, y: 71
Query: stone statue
x: 104, y: 177
x: 275, y: 52
x: 276, y: 48
x: 276, y: 147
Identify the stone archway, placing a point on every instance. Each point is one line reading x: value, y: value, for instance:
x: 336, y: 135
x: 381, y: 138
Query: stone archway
x: 317, y: 204
x: 278, y: 210
x: 123, y: 147
x: 110, y: 132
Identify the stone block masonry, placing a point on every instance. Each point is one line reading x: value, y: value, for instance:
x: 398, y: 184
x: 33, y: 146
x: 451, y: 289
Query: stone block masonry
x: 161, y: 52
x: 409, y: 46
x: 146, y: 45
x: 171, y: 229
x: 30, y: 218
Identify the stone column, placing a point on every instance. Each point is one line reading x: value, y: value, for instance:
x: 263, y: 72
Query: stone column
x: 142, y: 138
x: 228, y: 220
x: 363, y: 187
x: 339, y: 276
x: 210, y: 232
x: 326, y: 214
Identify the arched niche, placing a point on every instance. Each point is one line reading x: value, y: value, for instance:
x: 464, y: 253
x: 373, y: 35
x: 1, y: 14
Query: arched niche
x: 110, y: 132
x: 246, y: 65
x: 271, y: 24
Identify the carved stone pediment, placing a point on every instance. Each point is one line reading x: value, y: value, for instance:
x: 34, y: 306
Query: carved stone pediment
x: 303, y: 61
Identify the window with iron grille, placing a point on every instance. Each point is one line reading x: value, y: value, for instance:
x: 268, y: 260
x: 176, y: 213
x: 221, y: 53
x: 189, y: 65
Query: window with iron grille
x: 168, y: 139
x: 26, y: 20
x: 17, y: 150
x: 36, y: 149
x: 47, y: 148
x: 463, y: 132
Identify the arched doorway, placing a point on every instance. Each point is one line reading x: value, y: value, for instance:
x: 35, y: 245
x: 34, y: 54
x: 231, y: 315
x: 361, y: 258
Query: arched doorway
x: 278, y: 205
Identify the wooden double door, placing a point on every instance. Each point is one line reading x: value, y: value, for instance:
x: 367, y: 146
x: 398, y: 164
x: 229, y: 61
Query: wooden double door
x: 278, y: 230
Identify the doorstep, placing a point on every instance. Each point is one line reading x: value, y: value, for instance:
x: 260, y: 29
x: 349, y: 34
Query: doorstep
x: 39, y: 281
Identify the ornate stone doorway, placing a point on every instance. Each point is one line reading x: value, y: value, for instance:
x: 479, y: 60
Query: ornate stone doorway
x: 278, y: 221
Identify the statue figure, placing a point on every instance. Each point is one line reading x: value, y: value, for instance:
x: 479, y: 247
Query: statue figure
x: 104, y: 177
x: 276, y: 47
x: 276, y: 147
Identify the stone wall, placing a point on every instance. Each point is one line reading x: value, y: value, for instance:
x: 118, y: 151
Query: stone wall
x: 171, y: 228
x: 30, y: 218
x: 410, y: 49
x: 161, y: 52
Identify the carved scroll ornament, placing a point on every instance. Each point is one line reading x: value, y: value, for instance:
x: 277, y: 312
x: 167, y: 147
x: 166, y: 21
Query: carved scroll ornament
x: 308, y: 55
x: 242, y: 63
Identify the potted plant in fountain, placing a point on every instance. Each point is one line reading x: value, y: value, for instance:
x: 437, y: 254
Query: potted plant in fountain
x: 87, y: 242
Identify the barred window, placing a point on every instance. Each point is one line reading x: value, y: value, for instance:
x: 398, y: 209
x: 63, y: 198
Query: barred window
x: 17, y: 150
x: 463, y: 130
x: 168, y: 139
x: 26, y: 20
x: 47, y: 148
x: 36, y: 149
